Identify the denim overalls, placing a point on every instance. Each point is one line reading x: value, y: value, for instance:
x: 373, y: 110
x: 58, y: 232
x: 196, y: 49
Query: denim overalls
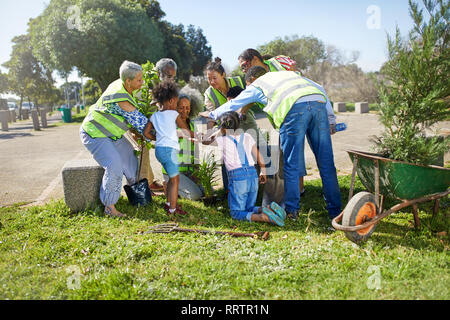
x: 243, y: 186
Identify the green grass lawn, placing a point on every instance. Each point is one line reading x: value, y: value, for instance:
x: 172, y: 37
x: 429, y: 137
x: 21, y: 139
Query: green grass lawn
x: 48, y: 253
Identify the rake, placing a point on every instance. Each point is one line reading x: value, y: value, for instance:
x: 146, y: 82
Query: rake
x: 173, y: 227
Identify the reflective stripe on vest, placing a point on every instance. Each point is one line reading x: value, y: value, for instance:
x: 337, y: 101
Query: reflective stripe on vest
x: 102, y: 129
x: 217, y: 97
x: 104, y: 125
x: 282, y: 90
x: 115, y: 93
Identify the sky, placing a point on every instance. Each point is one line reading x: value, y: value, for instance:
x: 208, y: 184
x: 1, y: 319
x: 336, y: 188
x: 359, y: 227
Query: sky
x: 235, y: 25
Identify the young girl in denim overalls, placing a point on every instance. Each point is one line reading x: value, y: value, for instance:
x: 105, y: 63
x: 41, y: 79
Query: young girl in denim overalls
x: 238, y: 152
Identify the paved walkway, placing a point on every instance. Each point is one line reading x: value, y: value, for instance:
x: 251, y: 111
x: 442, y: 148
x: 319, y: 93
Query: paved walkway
x: 31, y: 161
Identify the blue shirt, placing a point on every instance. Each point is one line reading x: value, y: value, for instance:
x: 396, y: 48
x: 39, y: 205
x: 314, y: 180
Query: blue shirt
x: 255, y: 95
x: 250, y: 95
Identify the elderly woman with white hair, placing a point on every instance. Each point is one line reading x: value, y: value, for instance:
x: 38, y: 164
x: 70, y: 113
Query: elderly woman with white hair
x: 103, y: 129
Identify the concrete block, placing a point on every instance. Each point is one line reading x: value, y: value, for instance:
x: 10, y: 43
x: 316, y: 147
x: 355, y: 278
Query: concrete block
x: 361, y: 107
x: 340, y: 107
x: 4, y: 116
x: 25, y: 114
x: 81, y: 184
x: 35, y: 118
x: 13, y: 115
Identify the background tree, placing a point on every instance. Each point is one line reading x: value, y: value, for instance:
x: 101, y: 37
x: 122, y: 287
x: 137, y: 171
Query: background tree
x: 152, y: 8
x: 201, y: 51
x: 95, y: 40
x: 343, y: 79
x: 28, y: 78
x: 71, y: 92
x: 188, y: 48
x: 415, y: 93
x: 92, y: 92
x: 19, y: 67
x: 334, y: 69
x: 4, y: 87
x: 176, y: 48
x: 306, y: 50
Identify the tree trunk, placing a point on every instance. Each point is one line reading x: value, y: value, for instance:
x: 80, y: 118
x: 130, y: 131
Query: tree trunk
x: 102, y: 84
x: 37, y: 106
x: 20, y: 107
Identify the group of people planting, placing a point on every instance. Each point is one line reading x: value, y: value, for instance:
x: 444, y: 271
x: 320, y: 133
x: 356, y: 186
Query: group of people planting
x: 295, y: 105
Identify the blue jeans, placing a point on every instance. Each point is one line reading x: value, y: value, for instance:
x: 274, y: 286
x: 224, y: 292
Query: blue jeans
x: 168, y: 157
x: 308, y: 119
x: 243, y: 191
x: 224, y: 178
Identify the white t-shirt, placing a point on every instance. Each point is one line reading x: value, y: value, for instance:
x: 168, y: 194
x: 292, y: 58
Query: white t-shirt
x: 230, y: 152
x: 165, y: 125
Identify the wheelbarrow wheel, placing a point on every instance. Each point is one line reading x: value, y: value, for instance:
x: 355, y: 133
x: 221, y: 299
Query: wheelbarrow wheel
x: 359, y: 210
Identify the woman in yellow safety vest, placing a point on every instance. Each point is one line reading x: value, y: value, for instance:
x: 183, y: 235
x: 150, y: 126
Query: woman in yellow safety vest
x: 216, y: 95
x: 103, y: 129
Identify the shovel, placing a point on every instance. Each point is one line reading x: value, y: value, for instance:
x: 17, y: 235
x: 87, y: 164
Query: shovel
x: 173, y: 227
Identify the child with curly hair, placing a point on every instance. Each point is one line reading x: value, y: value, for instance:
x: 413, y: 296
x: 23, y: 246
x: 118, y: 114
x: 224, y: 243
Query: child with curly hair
x: 165, y: 123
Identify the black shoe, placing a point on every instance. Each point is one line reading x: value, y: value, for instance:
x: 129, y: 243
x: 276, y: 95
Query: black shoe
x: 302, y: 193
x: 292, y: 215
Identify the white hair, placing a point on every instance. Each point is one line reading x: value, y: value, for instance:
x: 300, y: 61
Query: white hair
x: 195, y: 98
x: 129, y: 70
x: 164, y: 63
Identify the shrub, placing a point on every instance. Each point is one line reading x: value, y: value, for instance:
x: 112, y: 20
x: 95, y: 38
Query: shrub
x: 415, y: 92
x: 206, y: 173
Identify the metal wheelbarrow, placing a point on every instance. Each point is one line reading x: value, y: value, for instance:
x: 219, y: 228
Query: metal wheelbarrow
x: 411, y: 184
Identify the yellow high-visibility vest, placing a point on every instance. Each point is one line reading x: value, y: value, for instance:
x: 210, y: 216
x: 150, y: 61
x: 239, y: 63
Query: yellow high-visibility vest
x: 217, y: 97
x: 101, y: 124
x: 282, y: 90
